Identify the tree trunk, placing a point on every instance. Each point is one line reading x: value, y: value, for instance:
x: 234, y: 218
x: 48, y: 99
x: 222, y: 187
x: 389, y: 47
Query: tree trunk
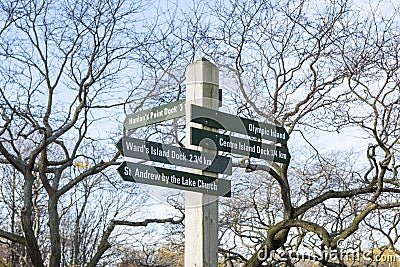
x: 32, y: 246
x: 54, y: 225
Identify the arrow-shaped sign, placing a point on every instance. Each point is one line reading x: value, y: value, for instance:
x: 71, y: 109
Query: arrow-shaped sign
x: 156, y: 114
x: 139, y: 173
x: 148, y: 150
x: 222, y: 142
x: 220, y: 120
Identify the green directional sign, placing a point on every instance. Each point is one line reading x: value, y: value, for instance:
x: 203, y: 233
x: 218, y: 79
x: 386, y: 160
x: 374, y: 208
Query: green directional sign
x: 156, y: 114
x: 220, y: 120
x: 137, y: 148
x: 222, y: 142
x: 139, y: 173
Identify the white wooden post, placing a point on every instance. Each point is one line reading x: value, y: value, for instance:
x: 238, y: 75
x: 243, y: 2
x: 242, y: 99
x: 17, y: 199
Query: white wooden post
x: 201, y: 210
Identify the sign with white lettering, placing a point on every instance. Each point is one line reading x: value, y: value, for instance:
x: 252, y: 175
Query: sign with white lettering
x: 157, y: 114
x: 137, y: 148
x: 221, y: 120
x: 139, y: 173
x: 222, y: 142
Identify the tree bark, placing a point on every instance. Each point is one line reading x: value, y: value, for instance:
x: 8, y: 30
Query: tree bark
x: 54, y: 226
x: 32, y: 246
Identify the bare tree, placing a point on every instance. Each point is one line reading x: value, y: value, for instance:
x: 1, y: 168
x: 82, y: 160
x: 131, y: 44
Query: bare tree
x: 312, y: 67
x: 65, y: 67
x: 315, y: 68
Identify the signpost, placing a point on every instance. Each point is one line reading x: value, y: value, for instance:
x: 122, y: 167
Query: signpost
x: 203, y: 188
x: 137, y: 148
x: 201, y: 210
x: 157, y: 114
x: 221, y: 120
x: 222, y: 142
x: 140, y: 173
